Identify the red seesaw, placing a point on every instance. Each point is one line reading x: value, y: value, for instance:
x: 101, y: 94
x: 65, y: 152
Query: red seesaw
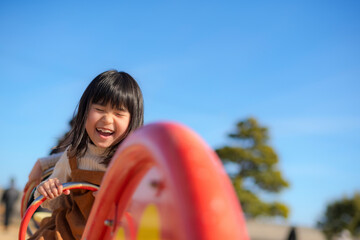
x: 163, y: 182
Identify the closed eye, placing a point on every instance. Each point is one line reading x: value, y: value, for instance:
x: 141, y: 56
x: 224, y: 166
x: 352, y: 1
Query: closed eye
x: 119, y: 114
x: 99, y: 109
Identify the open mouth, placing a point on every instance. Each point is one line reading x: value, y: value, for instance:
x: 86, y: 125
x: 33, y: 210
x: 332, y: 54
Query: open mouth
x: 104, y: 132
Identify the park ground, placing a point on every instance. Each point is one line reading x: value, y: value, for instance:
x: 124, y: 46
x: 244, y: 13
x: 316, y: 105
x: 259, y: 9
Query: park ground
x: 12, y: 232
x: 257, y: 230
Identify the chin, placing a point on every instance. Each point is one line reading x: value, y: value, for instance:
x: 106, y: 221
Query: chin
x: 103, y: 145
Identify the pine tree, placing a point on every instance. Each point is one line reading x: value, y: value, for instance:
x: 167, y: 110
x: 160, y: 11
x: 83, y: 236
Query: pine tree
x: 254, y: 169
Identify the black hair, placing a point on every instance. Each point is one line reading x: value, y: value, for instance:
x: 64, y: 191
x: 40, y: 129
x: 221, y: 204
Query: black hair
x: 111, y: 87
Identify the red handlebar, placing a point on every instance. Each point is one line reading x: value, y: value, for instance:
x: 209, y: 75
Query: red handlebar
x: 39, y: 200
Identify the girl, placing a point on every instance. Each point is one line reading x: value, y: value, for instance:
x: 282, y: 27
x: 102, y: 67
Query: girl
x: 109, y: 110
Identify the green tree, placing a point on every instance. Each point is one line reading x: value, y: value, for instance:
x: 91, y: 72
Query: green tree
x: 340, y: 215
x: 253, y: 165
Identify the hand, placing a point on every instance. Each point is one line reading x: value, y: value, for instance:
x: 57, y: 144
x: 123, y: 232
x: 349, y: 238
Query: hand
x: 52, y: 188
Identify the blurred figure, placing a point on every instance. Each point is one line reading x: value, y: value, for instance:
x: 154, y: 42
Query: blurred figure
x: 9, y: 198
x: 292, y: 234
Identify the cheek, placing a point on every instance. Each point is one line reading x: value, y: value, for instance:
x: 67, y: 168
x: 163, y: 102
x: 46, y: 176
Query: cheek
x: 127, y: 124
x: 124, y: 125
x: 90, y: 122
x: 87, y: 125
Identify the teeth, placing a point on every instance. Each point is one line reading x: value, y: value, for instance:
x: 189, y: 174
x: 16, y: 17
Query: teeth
x: 104, y: 130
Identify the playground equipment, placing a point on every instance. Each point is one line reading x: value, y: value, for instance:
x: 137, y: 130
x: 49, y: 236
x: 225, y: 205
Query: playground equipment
x: 163, y: 182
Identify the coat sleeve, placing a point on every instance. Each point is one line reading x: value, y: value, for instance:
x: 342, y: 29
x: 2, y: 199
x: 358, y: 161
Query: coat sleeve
x: 49, y: 161
x: 62, y: 171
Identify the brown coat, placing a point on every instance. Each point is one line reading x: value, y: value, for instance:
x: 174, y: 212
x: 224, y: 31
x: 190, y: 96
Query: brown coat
x: 68, y: 222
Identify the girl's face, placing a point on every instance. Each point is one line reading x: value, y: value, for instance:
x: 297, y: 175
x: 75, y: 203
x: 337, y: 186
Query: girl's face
x: 106, y: 125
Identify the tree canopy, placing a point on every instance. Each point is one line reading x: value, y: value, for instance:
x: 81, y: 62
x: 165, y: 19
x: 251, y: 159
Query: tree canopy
x: 254, y: 171
x: 340, y: 215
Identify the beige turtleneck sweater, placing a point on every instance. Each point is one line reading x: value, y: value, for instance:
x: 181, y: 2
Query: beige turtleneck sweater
x: 62, y: 171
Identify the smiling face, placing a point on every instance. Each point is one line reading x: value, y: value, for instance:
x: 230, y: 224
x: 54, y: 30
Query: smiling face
x: 106, y: 125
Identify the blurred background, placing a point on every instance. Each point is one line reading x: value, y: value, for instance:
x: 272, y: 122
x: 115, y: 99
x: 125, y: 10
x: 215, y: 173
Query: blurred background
x: 294, y: 67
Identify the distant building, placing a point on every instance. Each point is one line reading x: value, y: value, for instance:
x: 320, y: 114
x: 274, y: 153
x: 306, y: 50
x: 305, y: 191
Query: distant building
x: 259, y: 230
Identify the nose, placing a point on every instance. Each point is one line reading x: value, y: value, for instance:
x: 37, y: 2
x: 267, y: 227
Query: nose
x: 107, y: 118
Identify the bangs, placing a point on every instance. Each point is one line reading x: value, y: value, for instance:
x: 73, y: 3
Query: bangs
x: 116, y: 93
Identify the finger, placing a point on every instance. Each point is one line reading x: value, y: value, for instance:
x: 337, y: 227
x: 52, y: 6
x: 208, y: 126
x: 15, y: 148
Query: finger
x: 47, y: 189
x: 59, y: 186
x: 51, y: 188
x: 54, y: 190
x: 67, y: 192
x: 49, y: 192
x: 42, y: 191
x: 56, y: 187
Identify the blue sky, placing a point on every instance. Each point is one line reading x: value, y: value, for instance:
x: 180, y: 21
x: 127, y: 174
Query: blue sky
x: 294, y: 66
